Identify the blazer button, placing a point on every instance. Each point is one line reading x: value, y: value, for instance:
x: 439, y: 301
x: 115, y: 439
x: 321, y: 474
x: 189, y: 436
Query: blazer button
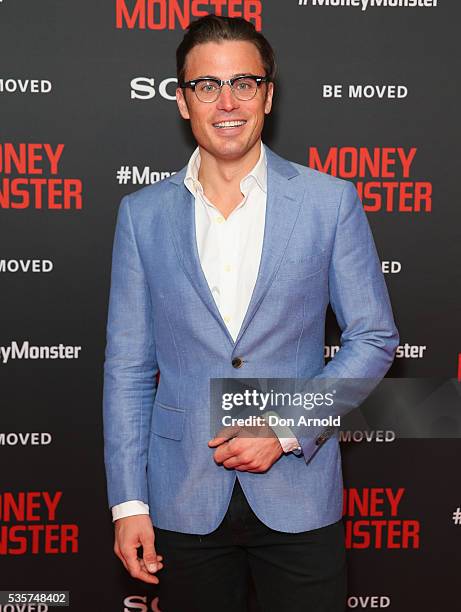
x: 237, y: 362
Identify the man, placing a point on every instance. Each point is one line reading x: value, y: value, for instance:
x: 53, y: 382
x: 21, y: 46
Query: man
x: 225, y: 270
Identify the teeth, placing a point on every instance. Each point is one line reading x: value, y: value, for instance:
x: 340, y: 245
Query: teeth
x: 229, y: 124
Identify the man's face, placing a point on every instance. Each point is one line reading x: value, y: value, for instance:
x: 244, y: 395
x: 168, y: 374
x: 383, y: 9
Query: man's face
x: 225, y: 60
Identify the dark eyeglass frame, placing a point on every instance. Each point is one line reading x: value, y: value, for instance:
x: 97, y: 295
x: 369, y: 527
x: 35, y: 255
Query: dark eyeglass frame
x: 220, y: 82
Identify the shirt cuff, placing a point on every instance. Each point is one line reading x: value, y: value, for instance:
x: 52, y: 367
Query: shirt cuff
x: 129, y: 508
x: 287, y: 440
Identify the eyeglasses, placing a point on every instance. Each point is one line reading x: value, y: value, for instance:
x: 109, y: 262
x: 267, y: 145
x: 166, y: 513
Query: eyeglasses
x: 209, y: 89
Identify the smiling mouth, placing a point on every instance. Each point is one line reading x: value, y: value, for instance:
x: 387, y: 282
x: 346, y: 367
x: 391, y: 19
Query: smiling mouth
x: 222, y: 125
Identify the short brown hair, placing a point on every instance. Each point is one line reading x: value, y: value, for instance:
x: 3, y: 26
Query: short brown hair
x: 215, y: 28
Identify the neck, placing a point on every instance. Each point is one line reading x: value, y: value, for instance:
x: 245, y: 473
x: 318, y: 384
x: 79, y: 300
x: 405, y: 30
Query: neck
x: 220, y: 176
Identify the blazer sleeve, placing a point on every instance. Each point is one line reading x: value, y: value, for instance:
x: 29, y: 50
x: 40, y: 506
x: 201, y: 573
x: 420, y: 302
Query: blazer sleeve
x: 360, y: 300
x: 130, y: 368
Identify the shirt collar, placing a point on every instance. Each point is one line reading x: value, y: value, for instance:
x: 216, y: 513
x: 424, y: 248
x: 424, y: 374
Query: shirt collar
x: 258, y: 173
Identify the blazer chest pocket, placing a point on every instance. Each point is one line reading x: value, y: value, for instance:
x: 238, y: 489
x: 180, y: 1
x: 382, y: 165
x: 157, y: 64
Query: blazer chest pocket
x: 167, y: 421
x: 303, y: 266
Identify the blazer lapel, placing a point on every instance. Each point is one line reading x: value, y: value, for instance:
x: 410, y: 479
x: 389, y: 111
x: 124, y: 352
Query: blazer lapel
x: 182, y: 219
x: 282, y: 208
x: 284, y: 197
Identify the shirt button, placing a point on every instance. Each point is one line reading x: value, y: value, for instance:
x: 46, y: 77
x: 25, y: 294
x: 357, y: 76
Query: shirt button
x: 227, y: 318
x: 237, y: 362
x: 219, y: 219
x: 227, y: 268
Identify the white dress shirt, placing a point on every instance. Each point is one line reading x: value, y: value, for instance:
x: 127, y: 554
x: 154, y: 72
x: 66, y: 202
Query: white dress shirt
x: 230, y: 253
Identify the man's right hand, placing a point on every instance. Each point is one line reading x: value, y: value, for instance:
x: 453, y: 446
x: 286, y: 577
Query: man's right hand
x: 130, y: 533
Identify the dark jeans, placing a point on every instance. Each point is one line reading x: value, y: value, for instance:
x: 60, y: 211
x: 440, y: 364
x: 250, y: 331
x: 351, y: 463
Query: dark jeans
x: 292, y: 572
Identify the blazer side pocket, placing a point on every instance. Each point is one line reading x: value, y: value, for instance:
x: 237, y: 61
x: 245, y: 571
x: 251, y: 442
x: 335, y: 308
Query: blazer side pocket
x: 167, y: 421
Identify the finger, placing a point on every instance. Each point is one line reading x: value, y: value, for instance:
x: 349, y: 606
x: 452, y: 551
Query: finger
x: 149, y: 553
x: 257, y: 470
x: 224, y: 453
x: 144, y: 568
x: 237, y: 462
x: 131, y: 560
x: 136, y: 570
x: 225, y: 434
x: 145, y: 576
x: 216, y: 441
x: 159, y: 560
x: 152, y: 562
x: 119, y: 554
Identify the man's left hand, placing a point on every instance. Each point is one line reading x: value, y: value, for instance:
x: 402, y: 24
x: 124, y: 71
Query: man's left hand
x: 247, y: 449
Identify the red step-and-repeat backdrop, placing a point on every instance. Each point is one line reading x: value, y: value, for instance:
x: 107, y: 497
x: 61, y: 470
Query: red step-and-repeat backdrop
x: 367, y: 90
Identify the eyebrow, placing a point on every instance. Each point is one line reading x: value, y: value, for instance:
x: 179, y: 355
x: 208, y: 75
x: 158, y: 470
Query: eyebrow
x: 210, y: 76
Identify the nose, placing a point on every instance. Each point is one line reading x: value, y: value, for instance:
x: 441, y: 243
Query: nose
x: 226, y: 100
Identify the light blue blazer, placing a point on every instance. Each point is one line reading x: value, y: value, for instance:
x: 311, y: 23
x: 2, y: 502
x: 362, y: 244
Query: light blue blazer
x: 318, y: 249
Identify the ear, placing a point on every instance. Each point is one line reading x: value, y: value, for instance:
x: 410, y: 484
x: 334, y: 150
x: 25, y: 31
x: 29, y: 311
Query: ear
x: 268, y: 100
x: 182, y: 104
